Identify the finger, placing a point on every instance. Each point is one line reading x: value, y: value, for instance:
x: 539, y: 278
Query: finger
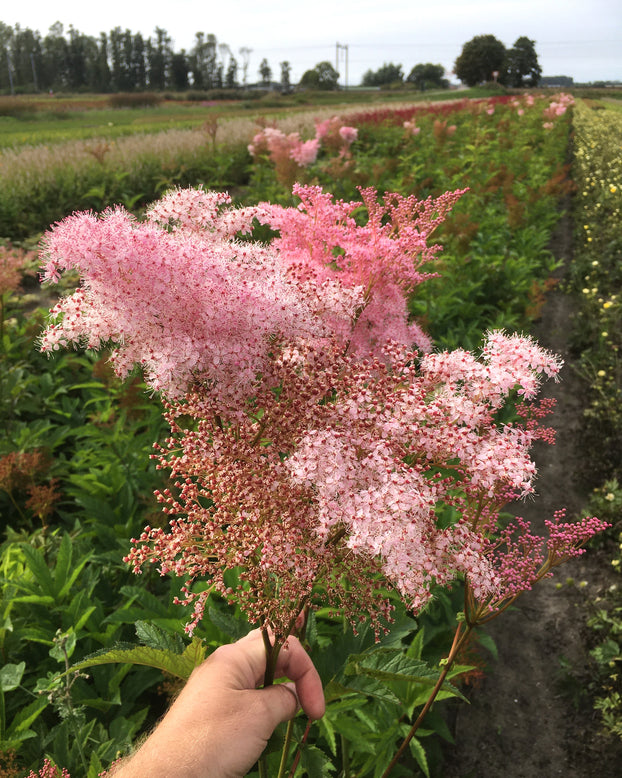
x: 294, y: 663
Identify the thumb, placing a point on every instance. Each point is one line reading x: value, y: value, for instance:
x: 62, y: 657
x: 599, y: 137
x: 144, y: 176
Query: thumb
x: 281, y: 702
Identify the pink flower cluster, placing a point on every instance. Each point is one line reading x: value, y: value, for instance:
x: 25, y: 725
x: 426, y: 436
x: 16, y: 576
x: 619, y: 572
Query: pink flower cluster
x: 321, y: 243
x: 49, y: 770
x: 411, y: 128
x: 309, y: 443
x: 335, y: 136
x: 181, y: 296
x: 290, y: 154
x: 558, y: 107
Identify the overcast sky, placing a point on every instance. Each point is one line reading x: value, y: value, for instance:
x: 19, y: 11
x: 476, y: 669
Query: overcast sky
x: 578, y: 38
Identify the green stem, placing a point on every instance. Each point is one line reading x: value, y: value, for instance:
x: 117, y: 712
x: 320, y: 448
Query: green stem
x: 72, y: 714
x: 272, y: 653
x: 286, y: 744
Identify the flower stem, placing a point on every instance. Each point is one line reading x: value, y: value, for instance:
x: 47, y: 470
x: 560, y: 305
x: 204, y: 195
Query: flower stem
x: 286, y: 745
x: 460, y: 638
x: 299, y: 751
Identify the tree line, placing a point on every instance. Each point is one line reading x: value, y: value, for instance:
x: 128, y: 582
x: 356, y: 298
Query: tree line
x: 117, y: 61
x: 124, y: 61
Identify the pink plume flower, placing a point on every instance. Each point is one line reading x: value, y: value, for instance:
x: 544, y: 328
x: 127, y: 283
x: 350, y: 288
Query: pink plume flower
x: 309, y: 441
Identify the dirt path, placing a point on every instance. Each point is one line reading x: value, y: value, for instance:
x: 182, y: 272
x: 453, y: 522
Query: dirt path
x: 528, y: 718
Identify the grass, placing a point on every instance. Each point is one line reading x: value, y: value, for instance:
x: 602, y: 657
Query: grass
x: 38, y: 120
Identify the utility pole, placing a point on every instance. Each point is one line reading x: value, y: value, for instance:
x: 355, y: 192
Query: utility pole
x: 343, y: 46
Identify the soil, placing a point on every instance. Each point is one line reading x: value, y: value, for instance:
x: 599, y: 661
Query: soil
x: 532, y: 714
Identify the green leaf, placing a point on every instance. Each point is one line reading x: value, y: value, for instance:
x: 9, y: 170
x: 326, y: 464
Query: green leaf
x: 315, y: 763
x: 328, y: 732
x: 64, y: 577
x: 64, y: 645
x: 11, y: 676
x: 155, y: 637
x: 391, y: 665
x: 25, y: 716
x: 37, y: 599
x: 485, y: 640
x: 37, y: 565
x: 233, y: 628
x: 179, y: 665
x: 418, y: 751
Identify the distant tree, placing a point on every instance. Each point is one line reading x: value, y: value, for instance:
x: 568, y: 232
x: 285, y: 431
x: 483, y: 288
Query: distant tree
x: 6, y: 71
x: 179, y: 71
x: 159, y: 54
x: 286, y: 70
x: 202, y: 61
x: 265, y: 71
x: 482, y: 56
x: 231, y: 77
x: 55, y: 55
x: 522, y: 63
x: 101, y: 68
x: 322, y: 76
x: 428, y: 76
x: 137, y: 63
x: 25, y: 59
x: 387, y: 74
x: 118, y: 61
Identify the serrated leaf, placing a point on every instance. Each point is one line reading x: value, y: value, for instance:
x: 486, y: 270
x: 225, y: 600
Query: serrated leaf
x: 391, y: 665
x: 155, y: 637
x: 328, y: 732
x: 418, y: 751
x: 315, y: 763
x: 38, y: 567
x: 357, y: 689
x: 233, y: 628
x: 352, y: 731
x: 179, y: 665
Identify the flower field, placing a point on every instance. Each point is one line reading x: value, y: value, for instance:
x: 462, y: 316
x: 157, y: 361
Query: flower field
x: 307, y: 460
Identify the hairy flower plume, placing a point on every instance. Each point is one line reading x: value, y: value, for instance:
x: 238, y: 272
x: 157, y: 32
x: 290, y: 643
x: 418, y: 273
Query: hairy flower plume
x: 310, y: 444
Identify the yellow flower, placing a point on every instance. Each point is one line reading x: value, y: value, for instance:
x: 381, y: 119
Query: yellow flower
x: 608, y: 304
x: 613, y: 189
x: 601, y: 374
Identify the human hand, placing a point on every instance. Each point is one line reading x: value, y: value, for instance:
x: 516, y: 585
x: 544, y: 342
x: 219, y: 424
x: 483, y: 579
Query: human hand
x: 220, y: 723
